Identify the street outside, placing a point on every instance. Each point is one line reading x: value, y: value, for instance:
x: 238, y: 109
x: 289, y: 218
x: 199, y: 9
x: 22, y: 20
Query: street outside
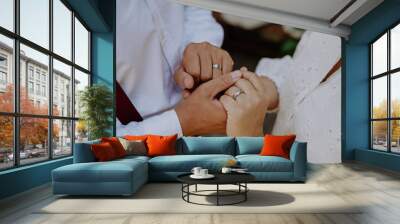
x: 383, y: 147
x: 33, y: 156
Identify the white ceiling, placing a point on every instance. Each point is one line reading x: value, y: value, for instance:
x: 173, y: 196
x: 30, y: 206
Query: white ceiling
x: 315, y: 15
x: 321, y: 9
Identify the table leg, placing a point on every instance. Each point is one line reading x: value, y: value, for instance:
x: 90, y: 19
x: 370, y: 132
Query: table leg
x: 217, y: 194
x: 188, y: 190
x: 182, y: 190
x: 245, y: 193
x: 195, y: 188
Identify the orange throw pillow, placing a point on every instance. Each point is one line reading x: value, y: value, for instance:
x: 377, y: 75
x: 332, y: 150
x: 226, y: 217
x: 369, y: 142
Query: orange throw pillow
x: 277, y: 145
x: 136, y: 137
x: 161, y: 145
x: 103, y: 152
x: 116, y: 145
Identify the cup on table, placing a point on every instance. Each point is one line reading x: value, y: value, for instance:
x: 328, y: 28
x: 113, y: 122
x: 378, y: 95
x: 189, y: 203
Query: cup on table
x: 196, y: 171
x: 226, y: 170
x: 203, y: 172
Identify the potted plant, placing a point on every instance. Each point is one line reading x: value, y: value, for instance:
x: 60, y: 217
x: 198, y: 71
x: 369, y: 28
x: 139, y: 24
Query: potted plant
x: 96, y: 103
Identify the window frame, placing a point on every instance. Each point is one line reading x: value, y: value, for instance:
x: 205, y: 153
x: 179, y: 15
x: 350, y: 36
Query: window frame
x: 388, y: 74
x: 16, y: 115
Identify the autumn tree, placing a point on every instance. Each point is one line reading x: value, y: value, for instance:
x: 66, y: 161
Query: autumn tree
x: 6, y: 122
x: 33, y: 131
x: 380, y: 127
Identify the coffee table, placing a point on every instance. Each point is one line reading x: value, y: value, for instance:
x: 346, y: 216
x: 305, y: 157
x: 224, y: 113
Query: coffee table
x: 238, y: 179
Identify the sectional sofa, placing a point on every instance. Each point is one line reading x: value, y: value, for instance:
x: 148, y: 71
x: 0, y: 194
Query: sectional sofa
x: 125, y: 176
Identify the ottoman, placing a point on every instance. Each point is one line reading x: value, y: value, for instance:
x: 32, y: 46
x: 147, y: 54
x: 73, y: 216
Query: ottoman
x: 118, y: 177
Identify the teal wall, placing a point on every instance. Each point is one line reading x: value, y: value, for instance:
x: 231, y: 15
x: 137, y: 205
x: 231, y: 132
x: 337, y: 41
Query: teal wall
x: 103, y: 64
x: 99, y: 16
x: 103, y: 53
x: 24, y: 178
x: 355, y: 86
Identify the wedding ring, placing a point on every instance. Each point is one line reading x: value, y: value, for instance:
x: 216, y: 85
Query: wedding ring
x: 237, y: 93
x: 217, y: 66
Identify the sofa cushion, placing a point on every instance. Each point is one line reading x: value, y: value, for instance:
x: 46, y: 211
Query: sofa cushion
x: 136, y: 137
x: 159, y: 145
x: 275, y: 145
x: 116, y: 145
x: 257, y: 163
x: 185, y: 163
x: 112, y: 171
x: 249, y: 145
x: 134, y: 147
x: 103, y: 152
x: 206, y: 145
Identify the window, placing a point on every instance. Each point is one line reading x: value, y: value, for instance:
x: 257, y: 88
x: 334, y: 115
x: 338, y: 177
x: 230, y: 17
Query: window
x: 37, y: 89
x: 62, y: 75
x: 385, y: 91
x: 62, y: 30
x: 3, y: 61
x: 30, y: 87
x: 39, y: 128
x: 30, y: 72
x: 34, y: 21
x: 7, y: 71
x: 3, y: 78
x: 81, y: 45
x: 3, y: 72
x: 38, y: 72
x: 44, y: 91
x: 7, y: 14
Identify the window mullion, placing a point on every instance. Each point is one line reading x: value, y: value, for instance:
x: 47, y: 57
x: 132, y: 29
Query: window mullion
x: 73, y: 83
x: 389, y: 101
x: 371, y: 141
x: 16, y: 84
x: 50, y: 81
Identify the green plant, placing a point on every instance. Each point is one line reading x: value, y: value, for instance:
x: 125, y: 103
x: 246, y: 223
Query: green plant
x: 96, y: 104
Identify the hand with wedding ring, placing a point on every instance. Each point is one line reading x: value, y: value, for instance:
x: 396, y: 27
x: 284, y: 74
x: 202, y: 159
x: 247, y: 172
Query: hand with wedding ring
x: 201, y: 62
x: 247, y: 102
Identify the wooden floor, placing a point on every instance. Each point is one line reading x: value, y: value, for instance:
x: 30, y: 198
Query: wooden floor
x: 379, y: 189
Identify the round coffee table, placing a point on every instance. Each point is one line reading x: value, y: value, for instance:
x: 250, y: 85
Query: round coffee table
x: 238, y: 179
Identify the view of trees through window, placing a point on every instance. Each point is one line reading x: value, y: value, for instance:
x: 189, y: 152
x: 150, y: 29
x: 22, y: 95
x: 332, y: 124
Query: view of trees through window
x: 385, y: 91
x: 46, y: 63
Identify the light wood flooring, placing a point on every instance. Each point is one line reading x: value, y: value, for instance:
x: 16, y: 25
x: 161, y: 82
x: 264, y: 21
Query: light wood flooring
x: 378, y: 188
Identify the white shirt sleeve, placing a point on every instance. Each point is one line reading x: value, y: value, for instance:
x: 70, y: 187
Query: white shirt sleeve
x: 165, y: 123
x: 201, y: 26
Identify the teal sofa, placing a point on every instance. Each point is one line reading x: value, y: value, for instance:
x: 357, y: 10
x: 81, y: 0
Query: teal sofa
x: 125, y: 176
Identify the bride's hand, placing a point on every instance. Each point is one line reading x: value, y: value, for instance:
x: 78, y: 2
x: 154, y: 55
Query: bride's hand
x: 247, y: 103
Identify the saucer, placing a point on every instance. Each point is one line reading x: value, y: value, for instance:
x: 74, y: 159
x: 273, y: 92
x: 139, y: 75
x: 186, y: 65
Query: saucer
x: 208, y: 176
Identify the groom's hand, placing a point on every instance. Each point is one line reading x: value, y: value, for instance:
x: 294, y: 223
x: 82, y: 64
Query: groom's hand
x: 201, y: 113
x: 197, y: 65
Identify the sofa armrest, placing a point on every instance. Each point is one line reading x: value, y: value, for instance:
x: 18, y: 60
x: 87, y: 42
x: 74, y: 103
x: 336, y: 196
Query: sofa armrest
x: 83, y: 152
x: 298, y: 155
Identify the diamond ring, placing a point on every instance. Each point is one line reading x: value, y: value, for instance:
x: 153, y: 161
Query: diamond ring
x: 237, y: 93
x: 217, y: 66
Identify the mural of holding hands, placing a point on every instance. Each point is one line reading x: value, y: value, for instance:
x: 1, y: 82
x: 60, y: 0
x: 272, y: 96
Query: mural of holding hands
x: 176, y: 79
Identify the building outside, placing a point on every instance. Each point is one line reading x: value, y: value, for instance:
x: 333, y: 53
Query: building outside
x: 34, y: 82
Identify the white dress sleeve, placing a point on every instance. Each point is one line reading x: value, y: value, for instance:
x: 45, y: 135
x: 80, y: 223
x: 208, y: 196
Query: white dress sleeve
x: 274, y: 68
x: 165, y: 123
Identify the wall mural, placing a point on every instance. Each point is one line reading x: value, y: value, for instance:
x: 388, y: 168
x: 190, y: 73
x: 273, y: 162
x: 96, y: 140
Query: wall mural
x: 194, y: 72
